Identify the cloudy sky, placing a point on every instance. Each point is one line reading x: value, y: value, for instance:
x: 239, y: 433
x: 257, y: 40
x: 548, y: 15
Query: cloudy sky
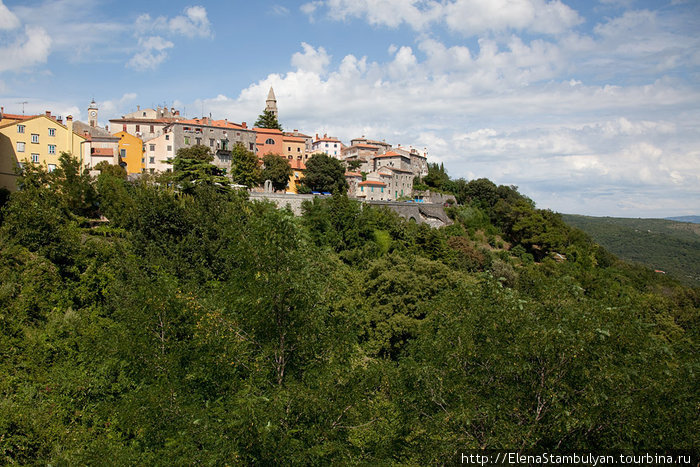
x: 588, y: 106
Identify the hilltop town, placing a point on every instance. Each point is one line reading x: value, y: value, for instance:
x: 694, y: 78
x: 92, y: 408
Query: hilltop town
x: 147, y: 140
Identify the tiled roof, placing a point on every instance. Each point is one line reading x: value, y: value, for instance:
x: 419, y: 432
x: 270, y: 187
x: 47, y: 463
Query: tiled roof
x: 293, y: 139
x: 390, y: 154
x: 269, y: 131
x: 102, y: 152
x: 353, y: 174
x: 372, y: 182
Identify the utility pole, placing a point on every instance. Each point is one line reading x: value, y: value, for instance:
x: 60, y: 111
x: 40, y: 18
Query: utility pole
x: 23, y: 102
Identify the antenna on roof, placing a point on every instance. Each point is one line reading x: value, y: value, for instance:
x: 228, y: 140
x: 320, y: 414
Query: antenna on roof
x: 23, y: 102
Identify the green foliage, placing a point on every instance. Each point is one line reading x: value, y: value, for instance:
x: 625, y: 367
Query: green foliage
x: 325, y: 173
x: 113, y: 170
x: 277, y: 170
x: 267, y: 119
x: 201, y: 326
x: 673, y: 247
x: 192, y: 166
x: 245, y: 168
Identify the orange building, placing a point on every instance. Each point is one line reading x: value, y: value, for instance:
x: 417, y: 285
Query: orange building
x: 268, y: 141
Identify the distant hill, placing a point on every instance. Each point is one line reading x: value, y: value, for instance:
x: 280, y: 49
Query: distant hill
x: 666, y: 245
x: 691, y: 219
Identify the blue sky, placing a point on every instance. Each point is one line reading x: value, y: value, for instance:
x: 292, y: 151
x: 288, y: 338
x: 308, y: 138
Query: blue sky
x: 589, y: 107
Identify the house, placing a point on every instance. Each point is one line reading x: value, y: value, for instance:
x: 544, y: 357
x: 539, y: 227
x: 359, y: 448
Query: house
x: 372, y: 190
x: 353, y: 179
x: 328, y: 145
x: 130, y: 149
x: 268, y: 141
x: 145, y: 123
x: 38, y: 139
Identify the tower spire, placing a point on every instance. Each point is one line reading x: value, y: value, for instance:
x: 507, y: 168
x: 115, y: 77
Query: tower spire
x: 271, y: 102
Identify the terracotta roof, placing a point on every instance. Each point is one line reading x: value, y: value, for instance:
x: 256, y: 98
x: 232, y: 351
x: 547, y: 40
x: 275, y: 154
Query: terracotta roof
x: 353, y: 174
x: 102, y: 152
x: 365, y: 146
x: 390, y: 154
x: 17, y: 117
x: 210, y: 122
x: 271, y: 131
x: 297, y: 164
x: 332, y: 140
x: 372, y: 182
x: 293, y: 139
x: 144, y: 120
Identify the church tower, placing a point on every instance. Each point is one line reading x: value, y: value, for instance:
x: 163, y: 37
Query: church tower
x: 92, y: 114
x: 271, y: 102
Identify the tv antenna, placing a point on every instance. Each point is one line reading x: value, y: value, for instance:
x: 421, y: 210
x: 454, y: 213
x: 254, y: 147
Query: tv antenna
x: 23, y: 102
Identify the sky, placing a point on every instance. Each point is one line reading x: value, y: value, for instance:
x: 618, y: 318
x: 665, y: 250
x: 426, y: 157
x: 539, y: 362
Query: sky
x: 587, y: 106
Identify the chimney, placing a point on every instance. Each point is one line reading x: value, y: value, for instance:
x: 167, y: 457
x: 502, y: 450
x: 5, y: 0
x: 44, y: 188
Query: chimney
x: 138, y: 107
x: 48, y: 113
x: 244, y: 125
x: 316, y: 136
x: 2, y: 111
x: 69, y: 133
x: 60, y: 120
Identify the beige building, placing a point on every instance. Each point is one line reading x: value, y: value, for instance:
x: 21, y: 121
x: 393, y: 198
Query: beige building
x: 39, y: 139
x: 145, y: 123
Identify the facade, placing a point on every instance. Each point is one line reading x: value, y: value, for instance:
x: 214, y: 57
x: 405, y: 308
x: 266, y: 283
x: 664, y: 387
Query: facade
x: 372, y: 190
x: 145, y: 124
x: 101, y: 146
x: 382, y: 145
x: 158, y: 154
x: 419, y: 161
x: 328, y: 145
x: 365, y: 153
x: 399, y: 182
x: 130, y: 149
x: 392, y: 159
x: 308, y: 140
x: 269, y: 141
x: 39, y: 139
x: 354, y: 179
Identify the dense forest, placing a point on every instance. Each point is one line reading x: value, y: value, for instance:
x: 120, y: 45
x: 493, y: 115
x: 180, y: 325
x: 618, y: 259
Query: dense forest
x: 195, y: 326
x: 661, y: 244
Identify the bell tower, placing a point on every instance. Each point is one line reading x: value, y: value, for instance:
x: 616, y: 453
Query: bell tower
x: 271, y: 102
x: 92, y: 114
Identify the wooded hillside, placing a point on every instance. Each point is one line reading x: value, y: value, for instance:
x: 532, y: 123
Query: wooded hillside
x: 205, y: 328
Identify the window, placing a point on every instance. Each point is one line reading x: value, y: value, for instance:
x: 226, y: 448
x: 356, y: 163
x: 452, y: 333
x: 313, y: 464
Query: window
x: 362, y: 188
x: 52, y: 167
x: 144, y: 114
x: 138, y: 128
x: 289, y: 148
x: 122, y: 152
x: 35, y: 157
x: 382, y: 189
x: 211, y: 142
x: 269, y: 141
x: 372, y: 189
x: 124, y: 128
x: 187, y: 140
x: 170, y: 149
x: 326, y: 144
x: 151, y: 147
x: 35, y: 138
x: 20, y: 128
x: 152, y: 129
x: 20, y: 146
x: 252, y: 146
x: 151, y: 160
x: 167, y: 137
x: 52, y: 132
x: 152, y: 170
x: 298, y: 149
x: 52, y: 149
x: 143, y: 160
x: 199, y: 141
x: 335, y: 145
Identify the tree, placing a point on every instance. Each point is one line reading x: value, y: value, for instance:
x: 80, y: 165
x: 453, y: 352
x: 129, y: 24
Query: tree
x: 354, y: 164
x: 437, y: 176
x: 114, y: 170
x: 277, y: 170
x: 244, y: 167
x: 193, y: 164
x: 325, y: 173
x: 267, y: 119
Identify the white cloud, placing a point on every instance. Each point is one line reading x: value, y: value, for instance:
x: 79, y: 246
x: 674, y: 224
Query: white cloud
x: 193, y: 23
x: 280, y: 10
x: 469, y: 17
x: 313, y: 60
x: 152, y: 52
x: 31, y: 49
x: 8, y: 20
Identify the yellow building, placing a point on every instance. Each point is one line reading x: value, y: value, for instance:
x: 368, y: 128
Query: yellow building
x: 131, y: 152
x: 40, y: 139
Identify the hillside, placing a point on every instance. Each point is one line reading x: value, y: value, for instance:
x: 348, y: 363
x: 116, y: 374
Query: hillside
x: 692, y: 219
x: 202, y: 328
x: 666, y: 245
